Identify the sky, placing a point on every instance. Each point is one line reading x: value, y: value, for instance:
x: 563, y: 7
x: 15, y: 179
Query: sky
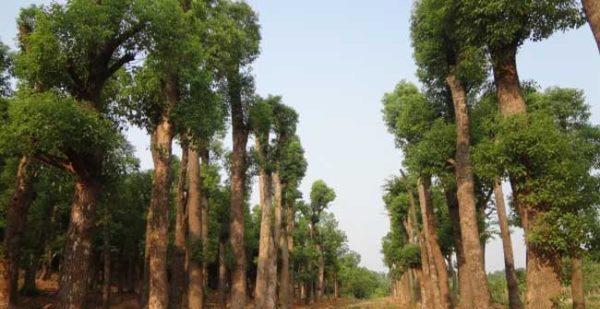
x: 332, y: 61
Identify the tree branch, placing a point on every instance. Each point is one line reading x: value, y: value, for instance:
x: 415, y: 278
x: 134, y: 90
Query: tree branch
x: 56, y: 161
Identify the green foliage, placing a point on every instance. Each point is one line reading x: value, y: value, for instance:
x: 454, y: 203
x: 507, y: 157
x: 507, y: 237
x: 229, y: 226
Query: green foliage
x: 504, y: 23
x: 359, y: 282
x: 440, y: 49
x: 320, y: 197
x: 410, y: 256
x: 52, y: 123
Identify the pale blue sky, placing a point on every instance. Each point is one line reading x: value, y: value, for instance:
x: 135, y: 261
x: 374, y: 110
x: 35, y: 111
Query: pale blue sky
x: 332, y: 61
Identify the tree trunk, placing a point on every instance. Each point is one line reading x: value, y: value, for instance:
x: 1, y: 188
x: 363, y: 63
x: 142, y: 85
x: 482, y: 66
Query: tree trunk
x: 157, y: 223
x: 320, y: 274
x: 577, y: 290
x: 430, y: 227
x: 290, y: 223
x: 464, y: 280
x: 178, y: 269
x: 75, y: 270
x: 195, y: 246
x: 543, y: 273
x: 16, y: 219
x: 592, y: 12
x: 285, y: 285
x: 429, y: 288
x: 204, y: 202
x: 514, y: 298
x: 238, y: 175
x: 106, y: 267
x: 264, y: 294
x: 222, y: 284
x: 465, y: 184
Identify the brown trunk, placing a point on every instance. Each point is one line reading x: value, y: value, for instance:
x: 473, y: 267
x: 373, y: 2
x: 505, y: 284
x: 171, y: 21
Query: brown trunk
x: 178, y: 269
x: 29, y: 286
x: 506, y: 78
x: 404, y: 293
x: 222, y: 284
x: 464, y: 281
x: 106, y: 268
x: 157, y: 223
x: 16, y: 219
x: 543, y: 273
x: 290, y: 222
x: 320, y: 288
x: 75, y: 270
x: 264, y: 293
x: 281, y: 215
x: 238, y: 175
x: 577, y: 291
x: 592, y: 12
x: 429, y: 289
x: 430, y: 227
x: 205, y: 160
x: 195, y: 246
x: 466, y: 196
x: 514, y: 298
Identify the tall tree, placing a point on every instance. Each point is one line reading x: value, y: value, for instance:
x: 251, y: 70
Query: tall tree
x: 236, y: 36
x: 64, y: 54
x: 502, y: 27
x: 445, y: 60
x: 320, y: 197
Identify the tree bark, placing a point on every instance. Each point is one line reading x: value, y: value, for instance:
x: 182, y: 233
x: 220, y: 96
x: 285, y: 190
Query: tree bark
x: 514, y: 298
x: 429, y: 289
x: 282, y: 243
x: 16, y: 220
x: 238, y: 176
x: 465, y: 184
x: 592, y: 12
x: 464, y: 280
x: 577, y: 291
x: 222, y: 284
x: 157, y: 223
x: 178, y: 264
x: 430, y: 227
x: 543, y: 273
x: 106, y: 267
x: 320, y: 287
x: 75, y: 270
x: 195, y: 252
x: 204, y: 202
x: 264, y: 293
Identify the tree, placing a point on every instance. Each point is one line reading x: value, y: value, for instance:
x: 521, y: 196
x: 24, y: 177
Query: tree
x: 502, y: 27
x: 62, y: 54
x: 445, y: 60
x: 592, y: 12
x: 236, y: 38
x: 320, y: 197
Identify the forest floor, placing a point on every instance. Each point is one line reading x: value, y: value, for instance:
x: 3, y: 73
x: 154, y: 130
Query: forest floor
x: 46, y: 299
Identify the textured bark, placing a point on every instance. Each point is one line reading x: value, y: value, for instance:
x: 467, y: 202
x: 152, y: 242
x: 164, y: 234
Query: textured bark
x: 178, y: 263
x: 16, y: 219
x: 506, y: 79
x: 238, y: 175
x: 543, y: 273
x: 264, y: 293
x: 320, y: 284
x: 404, y: 293
x: 577, y: 291
x: 440, y: 274
x: 106, y: 268
x: 514, y: 298
x: 290, y: 216
x: 464, y: 280
x: 429, y: 288
x: 205, y: 161
x: 282, y: 243
x: 463, y: 170
x: 76, y: 270
x: 157, y: 223
x: 592, y: 12
x: 222, y: 284
x: 195, y: 246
